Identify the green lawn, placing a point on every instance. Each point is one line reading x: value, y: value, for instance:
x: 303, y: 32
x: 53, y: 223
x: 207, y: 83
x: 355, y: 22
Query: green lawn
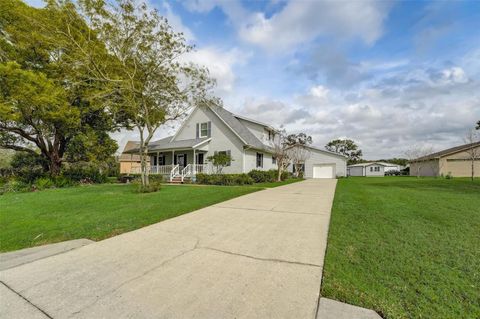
x: 406, y: 247
x: 97, y: 211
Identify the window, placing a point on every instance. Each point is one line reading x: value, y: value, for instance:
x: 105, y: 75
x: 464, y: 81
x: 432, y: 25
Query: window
x: 371, y: 169
x: 204, y: 129
x: 274, y: 160
x: 259, y: 160
x: 161, y: 159
x: 377, y: 169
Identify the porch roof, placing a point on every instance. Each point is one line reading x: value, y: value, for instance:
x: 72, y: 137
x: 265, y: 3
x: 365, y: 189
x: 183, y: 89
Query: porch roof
x: 166, y: 144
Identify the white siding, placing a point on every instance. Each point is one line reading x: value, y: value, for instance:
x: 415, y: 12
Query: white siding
x: 381, y: 171
x: 251, y: 161
x: 356, y: 170
x: 223, y: 138
x: 319, y: 157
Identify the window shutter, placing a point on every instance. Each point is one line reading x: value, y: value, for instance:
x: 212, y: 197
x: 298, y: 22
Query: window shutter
x: 229, y: 154
x: 209, y: 129
x: 185, y: 162
x: 175, y: 160
x: 198, y: 130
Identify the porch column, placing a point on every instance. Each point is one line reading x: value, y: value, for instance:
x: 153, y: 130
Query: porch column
x: 158, y: 159
x: 173, y: 157
x: 194, y: 163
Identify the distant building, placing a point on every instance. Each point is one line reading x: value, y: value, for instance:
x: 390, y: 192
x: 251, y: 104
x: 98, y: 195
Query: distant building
x: 130, y: 163
x: 372, y: 169
x: 455, y: 161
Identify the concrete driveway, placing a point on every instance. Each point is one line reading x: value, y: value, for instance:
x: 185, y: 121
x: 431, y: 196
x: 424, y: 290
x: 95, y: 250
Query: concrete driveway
x: 255, y: 256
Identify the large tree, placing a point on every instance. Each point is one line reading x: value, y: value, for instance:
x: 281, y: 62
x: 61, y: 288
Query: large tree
x: 346, y: 147
x: 290, y: 148
x: 43, y: 94
x: 149, y: 84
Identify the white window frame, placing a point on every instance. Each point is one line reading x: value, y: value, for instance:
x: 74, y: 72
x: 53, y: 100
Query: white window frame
x: 200, y: 129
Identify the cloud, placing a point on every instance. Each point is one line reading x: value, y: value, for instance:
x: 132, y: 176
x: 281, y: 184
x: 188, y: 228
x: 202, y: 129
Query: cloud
x: 303, y: 21
x: 220, y: 64
x: 387, y: 114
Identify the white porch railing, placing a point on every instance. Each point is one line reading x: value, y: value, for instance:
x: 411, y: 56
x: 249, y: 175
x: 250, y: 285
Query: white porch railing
x: 173, y: 171
x: 161, y: 169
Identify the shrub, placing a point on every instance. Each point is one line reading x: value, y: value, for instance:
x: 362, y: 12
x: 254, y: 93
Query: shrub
x: 84, y: 173
x: 224, y: 179
x: 263, y: 176
x: 28, y: 167
x: 15, y: 185
x: 152, y: 187
x: 43, y: 183
x: 449, y: 175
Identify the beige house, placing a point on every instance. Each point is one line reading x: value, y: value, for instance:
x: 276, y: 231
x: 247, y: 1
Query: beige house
x: 130, y: 163
x: 456, y: 161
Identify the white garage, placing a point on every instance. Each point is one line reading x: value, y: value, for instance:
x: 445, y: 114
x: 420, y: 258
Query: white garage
x: 323, y: 170
x: 324, y: 164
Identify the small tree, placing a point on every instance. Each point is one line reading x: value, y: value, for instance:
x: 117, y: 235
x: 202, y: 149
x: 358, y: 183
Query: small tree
x: 280, y: 152
x: 220, y: 160
x: 346, y: 147
x: 473, y: 137
x: 299, y: 154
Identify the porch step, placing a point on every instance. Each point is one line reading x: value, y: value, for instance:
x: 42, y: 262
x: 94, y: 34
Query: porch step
x: 178, y: 180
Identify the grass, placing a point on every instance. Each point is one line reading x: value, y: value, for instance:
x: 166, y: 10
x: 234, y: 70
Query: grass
x: 97, y: 211
x: 406, y: 247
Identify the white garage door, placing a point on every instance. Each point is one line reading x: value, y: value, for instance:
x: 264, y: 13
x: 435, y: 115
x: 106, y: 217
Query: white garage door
x: 323, y: 170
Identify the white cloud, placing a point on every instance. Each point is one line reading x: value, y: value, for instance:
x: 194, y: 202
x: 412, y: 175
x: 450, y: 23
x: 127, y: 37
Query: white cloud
x: 220, y: 64
x: 303, y: 21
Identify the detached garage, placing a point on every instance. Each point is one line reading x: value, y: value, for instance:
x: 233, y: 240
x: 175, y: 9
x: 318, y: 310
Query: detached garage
x: 325, y: 164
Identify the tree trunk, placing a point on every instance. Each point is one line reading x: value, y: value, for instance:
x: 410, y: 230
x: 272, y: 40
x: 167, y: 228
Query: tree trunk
x: 473, y: 168
x: 279, y: 175
x: 54, y: 165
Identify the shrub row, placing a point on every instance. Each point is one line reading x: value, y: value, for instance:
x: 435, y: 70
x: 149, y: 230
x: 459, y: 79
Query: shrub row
x: 224, y: 179
x: 259, y: 176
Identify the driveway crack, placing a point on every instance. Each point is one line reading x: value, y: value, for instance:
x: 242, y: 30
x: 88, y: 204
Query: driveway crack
x: 259, y: 258
x: 28, y: 301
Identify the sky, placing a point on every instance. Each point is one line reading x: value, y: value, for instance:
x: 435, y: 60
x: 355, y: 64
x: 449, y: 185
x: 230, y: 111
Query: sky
x: 388, y: 75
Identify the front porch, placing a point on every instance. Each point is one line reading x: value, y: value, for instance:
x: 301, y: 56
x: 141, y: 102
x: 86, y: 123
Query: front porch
x: 178, y: 165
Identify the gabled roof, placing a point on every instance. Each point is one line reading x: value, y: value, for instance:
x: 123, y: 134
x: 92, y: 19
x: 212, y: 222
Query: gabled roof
x: 166, y: 144
x: 271, y: 128
x: 128, y: 157
x: 448, y: 151
x: 238, y: 128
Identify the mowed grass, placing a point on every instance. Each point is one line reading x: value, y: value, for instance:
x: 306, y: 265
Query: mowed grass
x: 406, y: 247
x: 97, y: 211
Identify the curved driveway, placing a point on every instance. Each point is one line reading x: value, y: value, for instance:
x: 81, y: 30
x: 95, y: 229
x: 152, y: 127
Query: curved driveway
x: 255, y: 256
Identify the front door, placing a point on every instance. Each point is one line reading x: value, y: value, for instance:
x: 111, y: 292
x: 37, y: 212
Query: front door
x: 181, y: 160
x: 200, y: 158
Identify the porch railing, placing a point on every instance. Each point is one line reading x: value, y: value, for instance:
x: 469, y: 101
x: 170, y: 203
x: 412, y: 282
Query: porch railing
x: 175, y: 172
x: 161, y: 169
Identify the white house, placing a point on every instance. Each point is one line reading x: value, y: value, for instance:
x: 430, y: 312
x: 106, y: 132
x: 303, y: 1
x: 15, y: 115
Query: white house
x: 211, y: 129
x: 372, y: 169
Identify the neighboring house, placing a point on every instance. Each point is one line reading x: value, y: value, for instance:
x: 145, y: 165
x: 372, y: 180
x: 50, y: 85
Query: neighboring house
x: 372, y: 169
x: 129, y: 163
x: 210, y: 130
x: 455, y: 161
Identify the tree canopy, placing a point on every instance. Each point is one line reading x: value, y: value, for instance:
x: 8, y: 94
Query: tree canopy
x: 346, y: 147
x: 45, y: 98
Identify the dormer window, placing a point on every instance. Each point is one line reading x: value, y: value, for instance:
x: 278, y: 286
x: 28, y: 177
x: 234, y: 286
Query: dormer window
x: 204, y: 129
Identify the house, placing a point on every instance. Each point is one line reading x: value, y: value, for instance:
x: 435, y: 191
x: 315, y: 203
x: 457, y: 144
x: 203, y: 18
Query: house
x: 212, y: 129
x: 129, y: 162
x: 372, y: 169
x: 455, y: 161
